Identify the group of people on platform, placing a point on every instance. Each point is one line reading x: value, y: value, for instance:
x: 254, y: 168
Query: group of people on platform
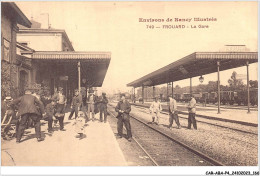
x: 156, y: 108
x: 30, y: 107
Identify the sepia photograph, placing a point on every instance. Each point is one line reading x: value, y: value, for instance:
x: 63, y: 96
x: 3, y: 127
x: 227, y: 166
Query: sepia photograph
x: 127, y: 83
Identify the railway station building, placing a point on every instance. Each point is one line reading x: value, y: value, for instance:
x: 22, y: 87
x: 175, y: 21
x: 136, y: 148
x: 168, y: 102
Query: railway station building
x: 199, y: 64
x: 58, y: 65
x: 11, y: 68
x: 46, y: 60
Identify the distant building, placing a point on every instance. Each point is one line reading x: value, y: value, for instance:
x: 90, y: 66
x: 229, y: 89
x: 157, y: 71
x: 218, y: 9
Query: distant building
x: 39, y: 39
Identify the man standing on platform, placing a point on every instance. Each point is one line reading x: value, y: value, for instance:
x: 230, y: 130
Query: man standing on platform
x: 173, y: 113
x: 123, y: 108
x: 75, y: 104
x: 61, y: 104
x: 91, y: 105
x: 103, y: 107
x: 28, y: 109
x: 192, y: 110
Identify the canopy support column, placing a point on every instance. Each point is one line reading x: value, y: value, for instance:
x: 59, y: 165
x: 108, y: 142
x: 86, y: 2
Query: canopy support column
x: 143, y: 94
x: 191, y: 86
x: 172, y: 90
x: 248, y: 93
x: 134, y: 94
x: 167, y: 92
x: 218, y: 64
x: 153, y: 92
x: 79, y: 75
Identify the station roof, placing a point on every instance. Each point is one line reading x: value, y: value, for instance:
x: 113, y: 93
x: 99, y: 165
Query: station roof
x: 93, y: 65
x: 71, y: 55
x: 195, y: 64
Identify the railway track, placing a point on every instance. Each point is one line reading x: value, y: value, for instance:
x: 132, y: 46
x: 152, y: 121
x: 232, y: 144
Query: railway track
x: 165, y: 150
x: 208, y: 123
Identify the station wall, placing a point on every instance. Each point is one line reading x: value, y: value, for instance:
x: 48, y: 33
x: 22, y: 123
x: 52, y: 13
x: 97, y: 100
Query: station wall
x: 42, y: 41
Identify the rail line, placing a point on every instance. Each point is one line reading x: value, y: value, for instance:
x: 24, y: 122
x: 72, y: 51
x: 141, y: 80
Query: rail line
x: 164, y: 149
x: 208, y: 123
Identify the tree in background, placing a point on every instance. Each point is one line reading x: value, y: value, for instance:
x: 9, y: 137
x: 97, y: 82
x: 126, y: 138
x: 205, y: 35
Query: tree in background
x: 177, y: 89
x: 234, y: 83
x: 212, y: 86
x: 253, y: 83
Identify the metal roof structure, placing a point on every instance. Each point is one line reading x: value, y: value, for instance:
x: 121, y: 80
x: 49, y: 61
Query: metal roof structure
x: 196, y: 64
x: 71, y: 55
x: 11, y: 9
x: 93, y: 65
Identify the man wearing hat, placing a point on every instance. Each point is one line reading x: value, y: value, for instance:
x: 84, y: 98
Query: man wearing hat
x: 28, y: 109
x: 173, y: 113
x: 103, y: 107
x: 192, y: 111
x: 7, y: 113
x: 123, y: 108
x: 91, y: 100
x: 6, y: 107
x: 155, y: 110
x: 75, y: 104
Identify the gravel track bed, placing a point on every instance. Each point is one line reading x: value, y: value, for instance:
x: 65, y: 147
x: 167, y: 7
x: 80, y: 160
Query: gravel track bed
x: 164, y: 151
x: 133, y: 154
x: 225, y: 145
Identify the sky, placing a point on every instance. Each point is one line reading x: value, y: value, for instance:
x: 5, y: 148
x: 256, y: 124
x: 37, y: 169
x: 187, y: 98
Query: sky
x: 138, y: 50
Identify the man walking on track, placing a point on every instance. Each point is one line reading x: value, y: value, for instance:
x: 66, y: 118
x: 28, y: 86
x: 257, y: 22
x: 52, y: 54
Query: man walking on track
x: 123, y: 108
x: 192, y: 110
x: 76, y: 104
x: 173, y: 113
x: 103, y: 107
x: 28, y: 110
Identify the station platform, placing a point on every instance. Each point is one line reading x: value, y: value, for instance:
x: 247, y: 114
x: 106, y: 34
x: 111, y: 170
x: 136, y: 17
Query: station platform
x: 233, y: 115
x: 98, y: 147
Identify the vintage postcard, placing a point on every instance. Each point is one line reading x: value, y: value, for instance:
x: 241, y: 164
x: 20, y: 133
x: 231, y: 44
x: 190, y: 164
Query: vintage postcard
x: 127, y: 83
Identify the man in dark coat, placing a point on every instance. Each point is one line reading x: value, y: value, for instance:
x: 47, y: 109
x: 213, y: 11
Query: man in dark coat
x: 103, y: 107
x: 123, y: 108
x: 28, y: 109
x: 60, y: 107
x: 75, y: 104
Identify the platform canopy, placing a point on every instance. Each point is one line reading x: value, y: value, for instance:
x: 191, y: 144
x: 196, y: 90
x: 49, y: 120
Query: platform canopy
x: 93, y: 65
x: 195, y: 64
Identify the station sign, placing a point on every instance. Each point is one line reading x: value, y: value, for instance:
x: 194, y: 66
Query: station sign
x: 64, y: 78
x: 235, y: 48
